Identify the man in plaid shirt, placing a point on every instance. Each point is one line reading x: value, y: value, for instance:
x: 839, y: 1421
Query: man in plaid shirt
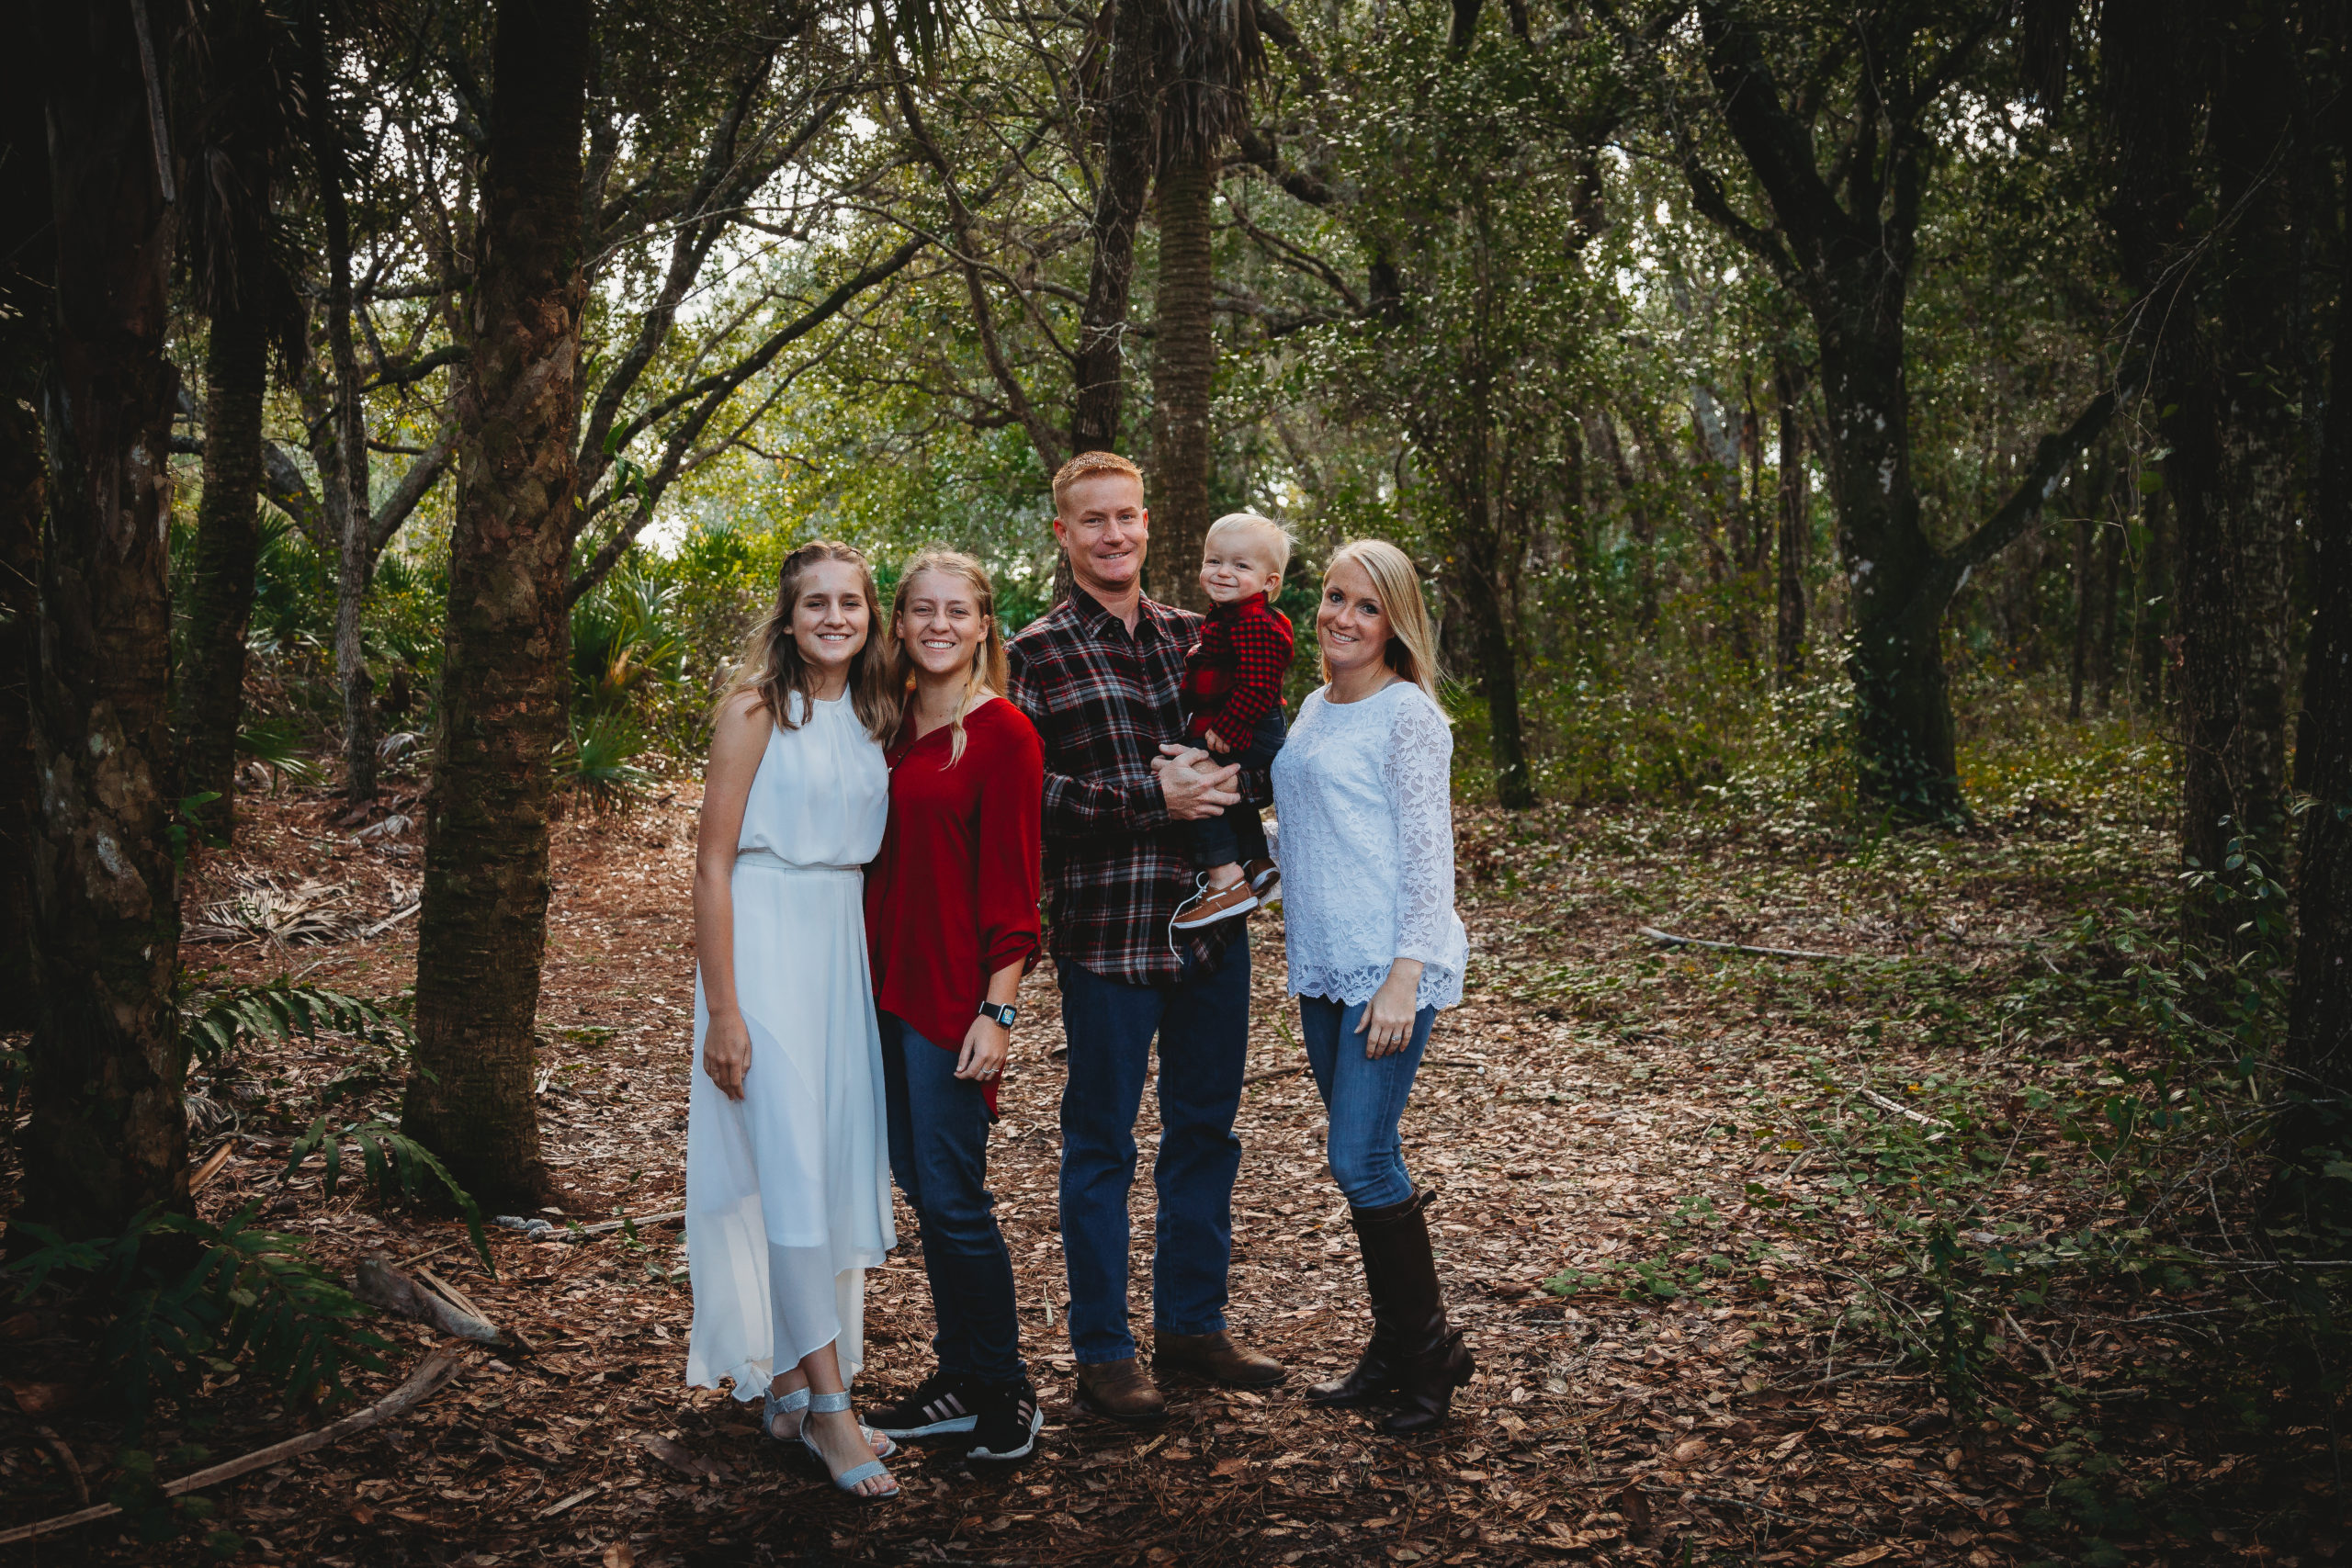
x: 1099, y: 677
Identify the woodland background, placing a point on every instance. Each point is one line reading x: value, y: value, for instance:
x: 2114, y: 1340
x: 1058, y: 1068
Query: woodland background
x: 1881, y: 479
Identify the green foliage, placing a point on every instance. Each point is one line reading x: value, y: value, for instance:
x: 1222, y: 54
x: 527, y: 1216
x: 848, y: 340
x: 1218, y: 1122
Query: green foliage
x: 393, y: 1165
x: 220, y: 1025
x: 595, y: 763
x: 184, y: 1299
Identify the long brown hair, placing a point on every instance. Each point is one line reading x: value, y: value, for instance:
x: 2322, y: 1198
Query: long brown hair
x: 772, y: 664
x: 1412, y: 645
x: 989, y: 675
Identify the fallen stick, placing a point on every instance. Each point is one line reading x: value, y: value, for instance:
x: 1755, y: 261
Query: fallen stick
x: 211, y: 1166
x: 389, y: 921
x: 1670, y: 940
x: 1896, y: 1108
x: 381, y: 1285
x: 435, y: 1371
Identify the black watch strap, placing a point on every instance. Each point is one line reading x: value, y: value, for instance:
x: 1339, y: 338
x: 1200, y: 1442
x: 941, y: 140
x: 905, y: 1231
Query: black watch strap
x: 1003, y: 1016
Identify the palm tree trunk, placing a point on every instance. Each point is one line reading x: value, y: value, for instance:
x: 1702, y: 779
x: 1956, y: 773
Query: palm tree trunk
x: 227, y: 540
x: 108, y: 1134
x: 1128, y: 125
x: 483, y: 932
x: 1183, y: 379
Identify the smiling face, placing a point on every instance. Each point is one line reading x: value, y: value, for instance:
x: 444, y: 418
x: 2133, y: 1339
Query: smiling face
x: 941, y: 627
x: 1104, y: 526
x: 1349, y: 622
x: 830, y: 617
x: 1238, y: 562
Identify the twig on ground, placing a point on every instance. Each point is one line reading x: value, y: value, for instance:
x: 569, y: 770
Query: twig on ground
x: 211, y: 1166
x: 1896, y: 1108
x: 430, y: 1375
x: 65, y: 1452
x: 2030, y: 1339
x: 1668, y: 939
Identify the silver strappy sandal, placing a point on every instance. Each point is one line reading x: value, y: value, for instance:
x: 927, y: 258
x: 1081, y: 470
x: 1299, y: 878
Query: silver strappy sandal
x: 849, y: 1480
x: 795, y: 1402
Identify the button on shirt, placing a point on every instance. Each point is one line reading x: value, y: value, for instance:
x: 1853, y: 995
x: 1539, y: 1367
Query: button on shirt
x: 1117, y: 865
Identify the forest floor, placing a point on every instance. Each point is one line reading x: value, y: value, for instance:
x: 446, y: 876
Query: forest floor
x: 1709, y: 1157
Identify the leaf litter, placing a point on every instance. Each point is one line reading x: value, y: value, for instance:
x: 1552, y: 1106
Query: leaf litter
x: 1670, y: 1371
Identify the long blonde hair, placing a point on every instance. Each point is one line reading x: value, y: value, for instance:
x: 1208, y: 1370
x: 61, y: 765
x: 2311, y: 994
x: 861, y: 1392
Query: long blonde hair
x: 989, y: 675
x: 1411, y: 651
x: 772, y: 664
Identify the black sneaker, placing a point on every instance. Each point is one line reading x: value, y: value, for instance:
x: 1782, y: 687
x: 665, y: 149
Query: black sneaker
x: 947, y: 1401
x: 1010, y: 1417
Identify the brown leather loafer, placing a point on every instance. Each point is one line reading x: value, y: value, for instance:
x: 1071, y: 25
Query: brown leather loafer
x: 1217, y: 1357
x: 1121, y: 1390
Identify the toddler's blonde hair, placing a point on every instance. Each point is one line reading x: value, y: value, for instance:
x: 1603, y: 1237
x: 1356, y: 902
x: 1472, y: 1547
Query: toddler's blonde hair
x: 1276, y: 536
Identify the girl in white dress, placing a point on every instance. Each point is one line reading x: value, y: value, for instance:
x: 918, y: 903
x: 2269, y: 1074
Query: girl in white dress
x: 787, y: 1183
x: 1363, y: 788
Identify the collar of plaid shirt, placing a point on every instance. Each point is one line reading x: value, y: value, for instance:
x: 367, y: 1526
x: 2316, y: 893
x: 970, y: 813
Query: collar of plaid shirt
x: 1116, y: 864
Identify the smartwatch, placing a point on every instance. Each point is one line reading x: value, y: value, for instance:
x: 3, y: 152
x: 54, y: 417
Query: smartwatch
x: 1003, y: 1016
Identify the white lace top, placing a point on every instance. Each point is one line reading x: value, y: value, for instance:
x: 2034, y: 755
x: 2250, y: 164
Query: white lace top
x: 1363, y: 793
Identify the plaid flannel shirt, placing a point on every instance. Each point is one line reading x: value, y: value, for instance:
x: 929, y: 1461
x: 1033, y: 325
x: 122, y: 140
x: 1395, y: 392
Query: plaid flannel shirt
x: 1233, y: 676
x: 1116, y: 863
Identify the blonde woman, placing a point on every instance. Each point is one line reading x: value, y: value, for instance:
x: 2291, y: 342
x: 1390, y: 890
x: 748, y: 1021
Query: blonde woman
x: 787, y: 1198
x: 1363, y: 788
x: 951, y: 908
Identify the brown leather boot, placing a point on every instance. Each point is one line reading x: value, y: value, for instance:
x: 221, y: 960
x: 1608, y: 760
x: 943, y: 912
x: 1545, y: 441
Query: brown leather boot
x: 1380, y: 1368
x: 1121, y: 1390
x: 1216, y: 1358
x: 1433, y: 1361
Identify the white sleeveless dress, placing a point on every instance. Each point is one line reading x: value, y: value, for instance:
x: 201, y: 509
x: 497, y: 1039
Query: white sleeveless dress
x: 789, y: 1189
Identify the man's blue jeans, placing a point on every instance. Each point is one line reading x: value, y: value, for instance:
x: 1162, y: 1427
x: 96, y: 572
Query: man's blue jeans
x: 939, y: 1156
x: 1202, y: 1022
x: 1366, y: 1098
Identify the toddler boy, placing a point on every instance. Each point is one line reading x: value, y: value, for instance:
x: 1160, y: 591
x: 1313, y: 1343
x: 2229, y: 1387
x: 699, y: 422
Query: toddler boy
x: 1233, y: 706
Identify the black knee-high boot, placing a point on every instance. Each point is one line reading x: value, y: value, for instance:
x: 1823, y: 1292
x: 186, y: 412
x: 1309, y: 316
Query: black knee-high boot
x: 1378, y: 1369
x: 1432, y: 1359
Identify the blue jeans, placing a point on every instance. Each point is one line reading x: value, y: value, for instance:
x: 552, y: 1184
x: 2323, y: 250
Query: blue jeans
x: 1202, y: 1022
x: 1239, y: 836
x: 1366, y: 1099
x: 939, y: 1156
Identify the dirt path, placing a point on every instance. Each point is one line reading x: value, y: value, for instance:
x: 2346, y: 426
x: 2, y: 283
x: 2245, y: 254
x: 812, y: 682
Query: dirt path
x: 1595, y: 1103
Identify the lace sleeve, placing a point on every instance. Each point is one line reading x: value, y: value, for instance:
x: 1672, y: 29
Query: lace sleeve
x: 1417, y: 773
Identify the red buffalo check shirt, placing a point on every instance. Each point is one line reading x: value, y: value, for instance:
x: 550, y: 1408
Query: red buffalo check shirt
x: 1233, y: 677
x: 1116, y: 863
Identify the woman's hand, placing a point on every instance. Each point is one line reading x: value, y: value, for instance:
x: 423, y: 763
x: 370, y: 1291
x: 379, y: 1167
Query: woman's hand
x: 727, y: 1052
x: 1387, y: 1023
x: 986, y: 1045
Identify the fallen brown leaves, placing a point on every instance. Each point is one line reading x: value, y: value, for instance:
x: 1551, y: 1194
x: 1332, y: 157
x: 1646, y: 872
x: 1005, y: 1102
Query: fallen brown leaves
x: 1591, y: 1090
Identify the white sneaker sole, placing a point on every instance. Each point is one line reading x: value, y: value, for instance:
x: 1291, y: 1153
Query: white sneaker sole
x: 1036, y: 1423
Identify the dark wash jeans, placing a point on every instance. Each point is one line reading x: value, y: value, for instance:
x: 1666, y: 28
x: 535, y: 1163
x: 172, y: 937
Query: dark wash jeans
x: 1239, y: 836
x: 1202, y: 1022
x: 939, y: 1156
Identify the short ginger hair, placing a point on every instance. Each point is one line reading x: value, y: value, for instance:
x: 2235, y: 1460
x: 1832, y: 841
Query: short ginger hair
x: 1086, y: 465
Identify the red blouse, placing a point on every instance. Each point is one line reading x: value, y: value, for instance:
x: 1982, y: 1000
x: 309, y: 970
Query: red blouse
x: 952, y: 898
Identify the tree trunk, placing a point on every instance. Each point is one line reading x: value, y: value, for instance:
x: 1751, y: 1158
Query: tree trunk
x: 2319, y: 1016
x: 504, y: 685
x: 341, y: 443
x: 2085, y: 569
x: 1902, y: 703
x: 1183, y: 379
x: 228, y: 541
x: 1129, y: 128
x: 2234, y: 551
x: 2111, y: 586
x: 26, y: 313
x: 108, y: 1134
x: 1795, y: 526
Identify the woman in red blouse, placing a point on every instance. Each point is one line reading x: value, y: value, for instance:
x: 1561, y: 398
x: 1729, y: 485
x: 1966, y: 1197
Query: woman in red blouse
x: 951, y: 920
